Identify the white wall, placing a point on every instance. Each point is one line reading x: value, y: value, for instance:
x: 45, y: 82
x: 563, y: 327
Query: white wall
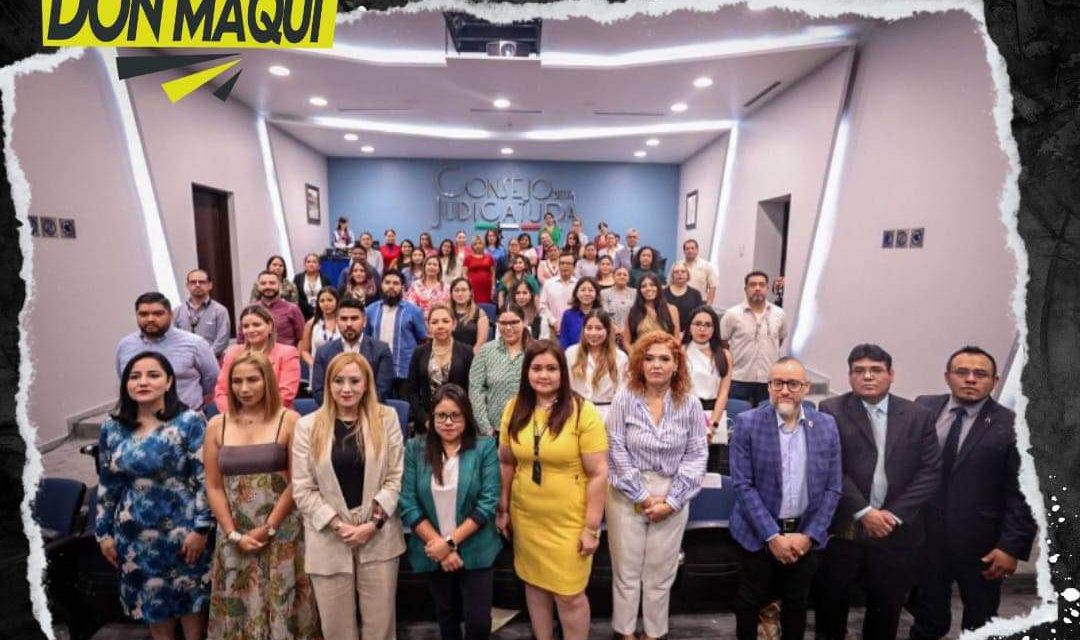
x: 299, y: 165
x: 75, y: 160
x: 703, y: 171
x: 783, y: 148
x: 923, y: 153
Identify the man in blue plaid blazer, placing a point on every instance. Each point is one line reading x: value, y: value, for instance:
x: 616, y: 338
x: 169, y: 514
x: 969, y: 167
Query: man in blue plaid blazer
x: 785, y: 467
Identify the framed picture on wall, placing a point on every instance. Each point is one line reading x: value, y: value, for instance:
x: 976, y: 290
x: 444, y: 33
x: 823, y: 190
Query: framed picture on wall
x: 314, y: 213
x: 691, y: 210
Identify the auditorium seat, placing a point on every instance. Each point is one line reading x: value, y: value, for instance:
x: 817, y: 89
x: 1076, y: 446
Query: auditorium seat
x: 711, y: 508
x: 304, y: 406
x: 402, y: 409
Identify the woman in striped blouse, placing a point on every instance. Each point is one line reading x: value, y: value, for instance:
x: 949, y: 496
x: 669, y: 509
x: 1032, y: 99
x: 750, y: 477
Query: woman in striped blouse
x: 657, y: 451
x: 495, y: 374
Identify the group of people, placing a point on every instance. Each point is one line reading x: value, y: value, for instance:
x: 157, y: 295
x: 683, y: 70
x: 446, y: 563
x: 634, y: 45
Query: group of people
x: 593, y: 406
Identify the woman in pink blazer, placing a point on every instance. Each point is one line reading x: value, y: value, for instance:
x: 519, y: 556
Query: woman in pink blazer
x: 257, y: 327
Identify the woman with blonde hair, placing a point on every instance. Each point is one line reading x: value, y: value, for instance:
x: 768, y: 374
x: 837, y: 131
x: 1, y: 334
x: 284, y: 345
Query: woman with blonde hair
x: 657, y: 451
x: 597, y: 367
x: 258, y: 560
x: 347, y: 463
x: 257, y: 330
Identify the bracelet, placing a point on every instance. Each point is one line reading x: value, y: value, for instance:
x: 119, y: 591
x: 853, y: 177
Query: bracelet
x: 593, y: 532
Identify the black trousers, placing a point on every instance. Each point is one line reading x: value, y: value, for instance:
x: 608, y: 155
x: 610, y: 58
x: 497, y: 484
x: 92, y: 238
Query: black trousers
x: 933, y: 599
x: 463, y: 596
x: 762, y: 578
x: 753, y: 392
x: 886, y: 575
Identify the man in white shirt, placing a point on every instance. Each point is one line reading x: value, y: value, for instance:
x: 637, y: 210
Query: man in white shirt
x: 555, y: 295
x: 702, y: 274
x: 754, y: 331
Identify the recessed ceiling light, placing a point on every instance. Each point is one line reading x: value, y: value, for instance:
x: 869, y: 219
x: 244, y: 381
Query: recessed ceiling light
x: 702, y: 82
x: 678, y: 107
x: 279, y: 70
x: 367, y: 148
x: 652, y: 142
x: 352, y: 137
x: 318, y: 101
x: 506, y: 151
x: 639, y: 153
x: 501, y: 103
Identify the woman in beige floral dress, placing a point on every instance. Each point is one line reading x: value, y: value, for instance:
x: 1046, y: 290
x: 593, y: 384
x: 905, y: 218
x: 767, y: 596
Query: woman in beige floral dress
x: 260, y: 589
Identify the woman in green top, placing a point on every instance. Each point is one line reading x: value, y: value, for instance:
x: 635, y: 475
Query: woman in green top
x: 518, y: 272
x: 551, y: 229
x: 496, y: 370
x: 448, y: 497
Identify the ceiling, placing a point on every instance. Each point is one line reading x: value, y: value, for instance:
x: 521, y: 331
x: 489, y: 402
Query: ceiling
x: 596, y: 93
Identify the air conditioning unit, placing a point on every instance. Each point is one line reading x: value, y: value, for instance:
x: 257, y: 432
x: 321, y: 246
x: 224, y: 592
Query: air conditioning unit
x: 503, y: 49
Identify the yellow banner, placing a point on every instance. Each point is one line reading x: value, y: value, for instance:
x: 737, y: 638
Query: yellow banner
x: 233, y: 24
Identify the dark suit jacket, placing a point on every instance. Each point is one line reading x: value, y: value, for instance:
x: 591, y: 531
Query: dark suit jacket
x: 420, y: 382
x: 299, y: 280
x: 375, y: 352
x: 981, y: 500
x: 912, y: 464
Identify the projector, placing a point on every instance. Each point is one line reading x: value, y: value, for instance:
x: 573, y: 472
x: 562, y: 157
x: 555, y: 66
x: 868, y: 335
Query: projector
x: 505, y: 49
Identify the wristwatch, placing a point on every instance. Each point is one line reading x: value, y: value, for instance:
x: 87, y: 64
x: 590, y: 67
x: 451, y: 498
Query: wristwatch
x: 235, y: 536
x: 270, y: 530
x: 450, y: 543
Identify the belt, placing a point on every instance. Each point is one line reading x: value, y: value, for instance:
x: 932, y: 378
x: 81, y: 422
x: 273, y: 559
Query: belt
x: 789, y: 525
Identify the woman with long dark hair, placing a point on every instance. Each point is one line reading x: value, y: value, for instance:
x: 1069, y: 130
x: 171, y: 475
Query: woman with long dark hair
x: 553, y: 462
x: 493, y: 247
x: 361, y: 284
x: 427, y: 245
x: 440, y: 361
x: 322, y: 328
x: 471, y: 323
x: 585, y: 298
x: 710, y: 366
x: 650, y: 312
x: 448, y: 498
x: 657, y: 454
x: 450, y: 261
x: 259, y: 556
x: 647, y: 261
x: 152, y: 515
x: 573, y: 246
x: 309, y: 283
x: 347, y: 462
x: 517, y: 271
x: 525, y: 297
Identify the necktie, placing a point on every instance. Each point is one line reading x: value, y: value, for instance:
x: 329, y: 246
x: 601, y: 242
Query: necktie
x: 952, y: 442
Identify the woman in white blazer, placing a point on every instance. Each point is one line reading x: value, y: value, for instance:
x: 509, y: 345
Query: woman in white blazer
x: 347, y: 467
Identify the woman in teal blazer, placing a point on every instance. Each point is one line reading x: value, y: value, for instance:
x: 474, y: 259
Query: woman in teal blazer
x: 448, y: 497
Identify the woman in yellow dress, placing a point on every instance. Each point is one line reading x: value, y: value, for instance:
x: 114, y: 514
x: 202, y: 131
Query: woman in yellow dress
x: 553, y: 460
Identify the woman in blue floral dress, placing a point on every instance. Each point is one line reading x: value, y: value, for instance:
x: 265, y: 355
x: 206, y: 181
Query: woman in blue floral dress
x: 152, y: 515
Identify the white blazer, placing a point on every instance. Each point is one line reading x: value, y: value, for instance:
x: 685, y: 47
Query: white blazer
x: 319, y: 498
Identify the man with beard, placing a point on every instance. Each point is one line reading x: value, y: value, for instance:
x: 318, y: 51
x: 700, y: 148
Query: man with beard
x: 351, y: 318
x: 754, y: 331
x: 202, y: 315
x: 400, y: 324
x: 288, y: 319
x: 891, y: 466
x: 785, y: 468
x: 978, y: 524
x: 193, y: 362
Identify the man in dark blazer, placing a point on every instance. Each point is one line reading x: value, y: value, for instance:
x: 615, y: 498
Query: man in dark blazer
x: 891, y: 467
x: 785, y: 468
x: 351, y: 318
x: 978, y: 524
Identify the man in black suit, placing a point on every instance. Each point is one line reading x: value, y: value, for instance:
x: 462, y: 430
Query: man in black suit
x: 351, y: 318
x: 892, y: 465
x: 978, y: 524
